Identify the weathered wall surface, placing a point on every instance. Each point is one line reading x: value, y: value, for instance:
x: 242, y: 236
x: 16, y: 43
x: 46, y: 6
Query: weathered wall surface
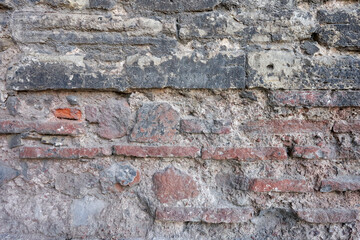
x: 179, y: 119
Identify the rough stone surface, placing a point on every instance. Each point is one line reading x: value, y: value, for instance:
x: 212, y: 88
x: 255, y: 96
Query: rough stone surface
x: 155, y: 123
x: 177, y: 6
x: 7, y: 173
x: 113, y: 119
x: 172, y: 185
x: 75, y: 185
x: 174, y: 119
x: 15, y: 141
x: 12, y: 104
x: 312, y: 152
x: 340, y: 28
x: 85, y: 211
x: 73, y: 100
x: 102, y: 4
x: 118, y: 176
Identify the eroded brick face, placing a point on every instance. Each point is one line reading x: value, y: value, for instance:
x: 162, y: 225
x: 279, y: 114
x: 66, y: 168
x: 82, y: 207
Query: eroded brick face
x: 112, y: 118
x: 179, y: 119
x: 173, y: 185
x: 157, y: 151
x: 279, y: 185
x: 155, y: 123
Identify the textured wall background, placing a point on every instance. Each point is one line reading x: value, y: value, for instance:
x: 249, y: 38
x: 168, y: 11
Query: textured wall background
x: 179, y: 119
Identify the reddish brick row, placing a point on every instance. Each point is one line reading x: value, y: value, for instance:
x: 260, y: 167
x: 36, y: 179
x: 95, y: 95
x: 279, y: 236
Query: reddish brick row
x: 59, y: 128
x: 68, y: 113
x: 208, y: 215
x: 50, y: 128
x: 245, y: 154
x: 13, y: 126
x: 347, y: 126
x: 279, y: 185
x: 161, y: 151
x: 312, y: 152
x: 334, y: 215
x: 225, y: 153
x: 341, y: 184
x: 205, y: 126
x: 62, y: 153
x: 277, y: 126
x: 315, y: 98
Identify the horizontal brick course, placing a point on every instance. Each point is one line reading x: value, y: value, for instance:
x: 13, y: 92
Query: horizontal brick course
x: 278, y: 185
x: 312, y: 152
x: 62, y: 153
x: 208, y: 215
x: 48, y: 128
x: 347, y: 126
x: 68, y: 113
x: 341, y: 184
x: 332, y: 215
x: 277, y: 126
x: 245, y: 154
x: 59, y: 128
x: 157, y: 151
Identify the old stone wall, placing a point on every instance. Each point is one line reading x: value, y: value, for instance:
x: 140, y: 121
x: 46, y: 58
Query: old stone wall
x: 179, y: 119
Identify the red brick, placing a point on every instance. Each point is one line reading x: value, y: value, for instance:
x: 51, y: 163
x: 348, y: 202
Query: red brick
x: 156, y: 122
x: 62, y: 153
x: 157, y: 151
x: 277, y: 126
x: 315, y: 98
x: 205, y: 126
x: 312, y: 152
x: 50, y: 128
x: 278, y: 185
x: 341, y: 184
x: 14, y: 126
x: 173, y: 185
x: 59, y: 128
x: 207, y: 215
x: 245, y: 154
x: 334, y: 215
x: 68, y: 113
x: 347, y: 126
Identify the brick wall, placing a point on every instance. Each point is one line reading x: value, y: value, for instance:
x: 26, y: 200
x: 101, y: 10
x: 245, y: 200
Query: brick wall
x: 161, y: 119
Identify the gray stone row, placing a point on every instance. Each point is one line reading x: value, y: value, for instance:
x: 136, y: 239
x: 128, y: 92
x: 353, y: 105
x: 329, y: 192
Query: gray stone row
x: 260, y: 68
